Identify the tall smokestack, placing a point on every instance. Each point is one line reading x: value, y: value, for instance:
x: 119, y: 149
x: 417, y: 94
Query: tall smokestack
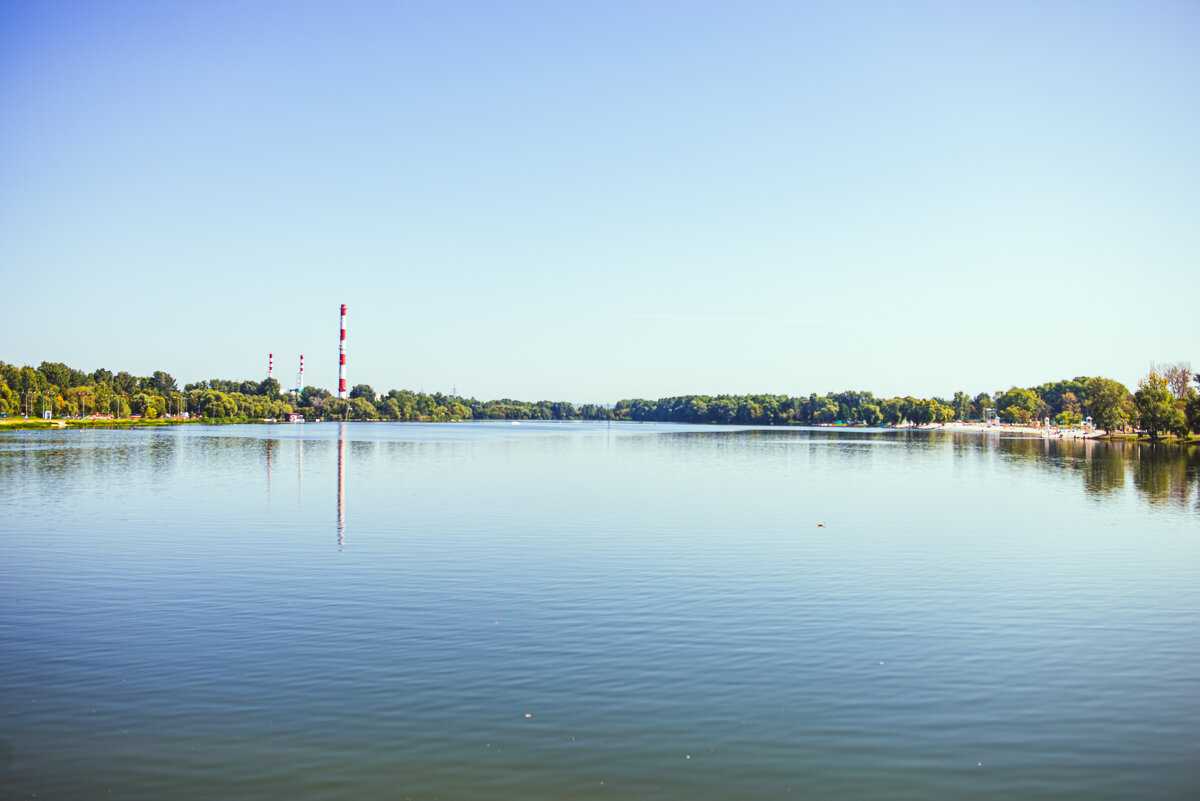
x: 270, y: 363
x: 300, y: 375
x: 342, y: 358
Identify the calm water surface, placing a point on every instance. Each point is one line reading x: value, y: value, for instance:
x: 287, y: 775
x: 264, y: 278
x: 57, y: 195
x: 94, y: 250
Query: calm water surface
x: 550, y: 611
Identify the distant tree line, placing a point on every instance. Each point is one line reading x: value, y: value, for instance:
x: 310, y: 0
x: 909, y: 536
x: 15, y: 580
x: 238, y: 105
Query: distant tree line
x: 1165, y: 402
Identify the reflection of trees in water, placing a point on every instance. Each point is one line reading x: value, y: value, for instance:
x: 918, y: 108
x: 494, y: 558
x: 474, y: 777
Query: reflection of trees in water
x: 1023, y: 450
x: 65, y: 457
x: 1105, y: 468
x: 271, y: 445
x: 1166, y: 474
x: 1161, y: 473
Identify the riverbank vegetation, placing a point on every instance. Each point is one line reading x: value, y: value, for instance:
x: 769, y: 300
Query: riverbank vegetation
x: 1164, y: 404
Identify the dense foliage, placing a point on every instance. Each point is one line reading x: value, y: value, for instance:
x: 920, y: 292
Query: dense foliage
x: 1163, y: 402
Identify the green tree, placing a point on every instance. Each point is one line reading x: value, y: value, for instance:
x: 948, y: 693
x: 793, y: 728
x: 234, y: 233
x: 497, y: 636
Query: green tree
x: 827, y: 411
x: 162, y: 383
x: 1178, y: 422
x: 1107, y: 401
x: 1068, y: 418
x: 269, y: 388
x: 140, y: 402
x: 723, y: 410
x: 942, y: 413
x: 893, y: 411
x: 82, y: 399
x: 362, y: 408
x: 363, y: 391
x: 1070, y: 405
x: 750, y: 412
x: 982, y: 402
x: 870, y: 414
x: 1017, y: 398
x: 124, y: 383
x: 925, y: 411
x: 1015, y: 414
x: 1155, y: 405
x: 962, y: 405
x: 312, y: 396
x: 8, y: 398
x: 914, y: 410
x: 31, y: 380
x: 1192, y: 412
x: 62, y: 376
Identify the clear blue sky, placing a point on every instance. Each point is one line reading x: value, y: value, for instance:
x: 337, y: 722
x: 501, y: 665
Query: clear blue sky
x: 595, y: 200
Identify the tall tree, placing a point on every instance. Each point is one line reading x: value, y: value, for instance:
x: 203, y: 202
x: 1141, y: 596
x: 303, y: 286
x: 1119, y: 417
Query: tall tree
x: 1155, y: 405
x: 269, y: 387
x: 982, y: 402
x: 163, y: 382
x: 870, y: 414
x: 1108, y: 403
x: 1024, y: 399
x: 1192, y: 410
x: 1070, y: 403
x: 962, y: 405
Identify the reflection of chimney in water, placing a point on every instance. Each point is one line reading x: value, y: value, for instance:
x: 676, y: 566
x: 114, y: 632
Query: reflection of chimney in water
x: 300, y: 457
x: 341, y: 492
x: 270, y: 446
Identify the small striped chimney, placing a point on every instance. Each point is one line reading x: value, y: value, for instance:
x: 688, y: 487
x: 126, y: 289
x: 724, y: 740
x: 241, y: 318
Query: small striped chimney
x: 342, y: 358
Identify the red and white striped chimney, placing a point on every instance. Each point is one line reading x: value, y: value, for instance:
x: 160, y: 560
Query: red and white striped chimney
x: 270, y: 363
x: 342, y: 358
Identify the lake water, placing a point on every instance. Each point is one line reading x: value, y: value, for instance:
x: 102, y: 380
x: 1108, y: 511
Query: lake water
x: 552, y: 611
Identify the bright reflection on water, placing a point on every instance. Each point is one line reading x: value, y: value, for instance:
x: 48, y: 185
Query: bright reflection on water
x: 546, y: 611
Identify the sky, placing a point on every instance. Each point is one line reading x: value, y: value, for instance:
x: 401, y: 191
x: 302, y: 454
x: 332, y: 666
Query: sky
x: 591, y: 201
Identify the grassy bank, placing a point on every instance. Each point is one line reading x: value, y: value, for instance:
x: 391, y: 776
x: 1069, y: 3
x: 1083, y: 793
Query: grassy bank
x: 1165, y: 439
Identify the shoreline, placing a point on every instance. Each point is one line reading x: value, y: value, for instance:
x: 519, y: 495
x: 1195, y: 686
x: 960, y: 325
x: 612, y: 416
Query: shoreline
x: 1009, y: 428
x: 1074, y: 434
x: 999, y: 429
